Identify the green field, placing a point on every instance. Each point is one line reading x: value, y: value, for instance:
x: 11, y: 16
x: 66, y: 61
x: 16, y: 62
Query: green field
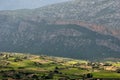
x: 26, y: 66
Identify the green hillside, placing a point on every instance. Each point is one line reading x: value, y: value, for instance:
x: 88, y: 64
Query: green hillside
x: 25, y: 66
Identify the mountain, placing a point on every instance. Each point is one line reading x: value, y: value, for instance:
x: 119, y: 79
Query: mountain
x: 25, y: 4
x: 83, y: 29
x: 92, y: 13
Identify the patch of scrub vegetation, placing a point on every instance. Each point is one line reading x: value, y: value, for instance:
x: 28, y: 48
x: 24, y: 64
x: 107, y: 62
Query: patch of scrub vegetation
x: 26, y: 66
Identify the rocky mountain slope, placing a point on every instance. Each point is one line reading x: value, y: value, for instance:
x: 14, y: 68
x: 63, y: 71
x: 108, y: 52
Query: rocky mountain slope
x: 86, y: 29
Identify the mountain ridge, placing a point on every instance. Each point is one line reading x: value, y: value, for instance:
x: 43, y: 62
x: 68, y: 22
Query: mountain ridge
x: 70, y: 29
x: 108, y: 17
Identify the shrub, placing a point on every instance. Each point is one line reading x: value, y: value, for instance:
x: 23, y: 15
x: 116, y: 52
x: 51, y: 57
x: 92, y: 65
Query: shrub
x: 118, y: 70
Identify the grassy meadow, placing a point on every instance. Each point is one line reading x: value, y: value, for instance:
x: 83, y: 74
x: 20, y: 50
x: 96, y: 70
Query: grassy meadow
x: 17, y: 66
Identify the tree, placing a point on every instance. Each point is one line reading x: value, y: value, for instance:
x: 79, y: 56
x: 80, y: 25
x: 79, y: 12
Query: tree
x: 50, y: 75
x: 89, y: 75
x: 56, y: 70
x: 118, y: 70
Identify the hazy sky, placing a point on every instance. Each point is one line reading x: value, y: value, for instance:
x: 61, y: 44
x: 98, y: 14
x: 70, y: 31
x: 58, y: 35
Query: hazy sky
x: 21, y: 4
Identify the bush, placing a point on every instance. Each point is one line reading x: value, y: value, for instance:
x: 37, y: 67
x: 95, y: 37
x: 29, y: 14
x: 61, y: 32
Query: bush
x: 118, y: 70
x: 89, y: 75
